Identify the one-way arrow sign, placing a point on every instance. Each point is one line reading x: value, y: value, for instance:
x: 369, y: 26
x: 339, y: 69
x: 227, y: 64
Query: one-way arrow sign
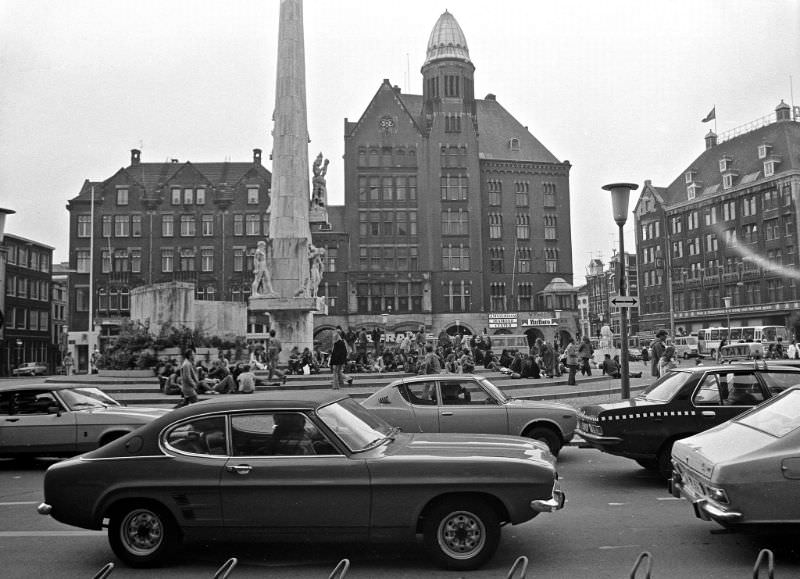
x: 625, y: 301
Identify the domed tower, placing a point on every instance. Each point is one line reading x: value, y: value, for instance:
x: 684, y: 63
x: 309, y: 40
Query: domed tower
x: 448, y: 72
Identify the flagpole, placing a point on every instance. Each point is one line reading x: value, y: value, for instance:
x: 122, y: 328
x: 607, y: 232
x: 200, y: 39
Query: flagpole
x: 715, y: 120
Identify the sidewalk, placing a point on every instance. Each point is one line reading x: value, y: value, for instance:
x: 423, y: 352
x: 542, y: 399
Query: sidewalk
x: 146, y: 391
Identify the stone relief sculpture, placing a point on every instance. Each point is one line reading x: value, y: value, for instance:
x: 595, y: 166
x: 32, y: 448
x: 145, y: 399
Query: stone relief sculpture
x: 316, y: 259
x: 319, y: 188
x: 262, y: 280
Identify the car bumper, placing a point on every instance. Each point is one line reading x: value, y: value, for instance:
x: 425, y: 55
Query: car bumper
x: 554, y: 503
x: 597, y: 441
x: 704, y: 508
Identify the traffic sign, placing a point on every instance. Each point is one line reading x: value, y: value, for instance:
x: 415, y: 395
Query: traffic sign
x: 625, y: 301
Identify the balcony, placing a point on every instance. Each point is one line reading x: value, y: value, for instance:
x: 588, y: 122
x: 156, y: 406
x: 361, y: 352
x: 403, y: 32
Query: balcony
x: 711, y: 280
x: 678, y: 284
x: 730, y: 277
x: 693, y: 282
x: 751, y: 274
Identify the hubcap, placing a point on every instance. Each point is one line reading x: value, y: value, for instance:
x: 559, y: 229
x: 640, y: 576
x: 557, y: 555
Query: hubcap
x: 142, y: 532
x: 461, y: 535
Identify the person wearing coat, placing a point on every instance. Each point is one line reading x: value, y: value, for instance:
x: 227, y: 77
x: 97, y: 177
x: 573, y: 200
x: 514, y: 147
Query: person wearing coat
x: 572, y: 361
x: 338, y: 360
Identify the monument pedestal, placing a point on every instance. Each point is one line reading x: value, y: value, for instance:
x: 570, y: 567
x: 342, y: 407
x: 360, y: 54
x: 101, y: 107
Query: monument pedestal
x: 292, y: 319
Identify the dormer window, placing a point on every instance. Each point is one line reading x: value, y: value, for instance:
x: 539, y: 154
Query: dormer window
x: 769, y: 168
x: 513, y: 144
x: 689, y: 176
x: 725, y: 164
x: 691, y: 191
x: 727, y: 181
x: 763, y: 150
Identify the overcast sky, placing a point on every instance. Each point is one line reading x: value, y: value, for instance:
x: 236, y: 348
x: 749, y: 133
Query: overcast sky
x: 618, y: 88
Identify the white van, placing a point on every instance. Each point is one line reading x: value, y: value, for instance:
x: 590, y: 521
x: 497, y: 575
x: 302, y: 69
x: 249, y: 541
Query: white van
x: 685, y: 346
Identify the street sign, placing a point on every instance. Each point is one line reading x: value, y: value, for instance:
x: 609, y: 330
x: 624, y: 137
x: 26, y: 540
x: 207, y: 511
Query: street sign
x: 625, y: 301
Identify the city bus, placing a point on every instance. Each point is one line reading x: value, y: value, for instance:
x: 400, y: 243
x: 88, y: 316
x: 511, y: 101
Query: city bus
x: 763, y: 334
x: 708, y: 340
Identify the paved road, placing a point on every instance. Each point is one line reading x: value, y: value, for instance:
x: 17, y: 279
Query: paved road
x: 614, y: 511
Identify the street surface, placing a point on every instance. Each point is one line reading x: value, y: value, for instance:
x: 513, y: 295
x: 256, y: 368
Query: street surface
x: 614, y: 511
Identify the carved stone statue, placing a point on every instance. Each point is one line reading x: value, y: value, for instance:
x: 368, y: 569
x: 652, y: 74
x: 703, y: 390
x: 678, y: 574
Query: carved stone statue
x: 316, y: 258
x: 262, y: 281
x: 319, y: 188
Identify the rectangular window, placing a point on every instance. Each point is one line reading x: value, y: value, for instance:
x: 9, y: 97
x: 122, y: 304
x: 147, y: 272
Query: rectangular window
x: 253, y: 225
x: 136, y: 225
x: 82, y: 299
x: 122, y: 226
x: 84, y: 225
x: 188, y: 226
x: 136, y: 260
x: 122, y: 196
x: 187, y: 260
x: 693, y: 220
x: 176, y: 196
x: 549, y: 198
x: 167, y: 260
x: 252, y: 195
x: 455, y: 223
x: 207, y: 225
x: 330, y: 258
x: 167, y: 226
x: 238, y: 224
x: 105, y: 261
x: 107, y: 225
x: 207, y: 259
x: 121, y: 262
x: 200, y: 197
x: 238, y: 259
x: 495, y: 226
x: 188, y: 196
x: 83, y: 263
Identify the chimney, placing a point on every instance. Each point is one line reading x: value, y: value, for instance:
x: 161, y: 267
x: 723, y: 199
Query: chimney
x: 711, y: 140
x: 135, y: 156
x: 490, y: 97
x: 256, y: 156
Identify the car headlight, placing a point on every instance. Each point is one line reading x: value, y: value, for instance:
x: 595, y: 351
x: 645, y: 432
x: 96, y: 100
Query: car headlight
x: 718, y: 495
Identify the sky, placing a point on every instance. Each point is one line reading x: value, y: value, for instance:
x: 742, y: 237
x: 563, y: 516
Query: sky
x: 618, y: 88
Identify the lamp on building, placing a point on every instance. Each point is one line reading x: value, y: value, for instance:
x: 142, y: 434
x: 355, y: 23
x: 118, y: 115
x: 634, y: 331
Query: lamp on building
x: 620, y: 195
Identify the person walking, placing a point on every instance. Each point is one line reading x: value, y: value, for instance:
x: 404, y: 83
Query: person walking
x: 572, y: 361
x: 657, y: 348
x: 337, y: 361
x: 274, y: 348
x: 585, y: 352
x: 188, y: 380
x: 667, y: 361
x: 68, y: 363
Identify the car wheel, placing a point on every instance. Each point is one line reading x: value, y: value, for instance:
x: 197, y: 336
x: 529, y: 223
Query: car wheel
x: 462, y: 534
x: 649, y: 464
x: 665, y: 460
x: 142, y: 536
x: 546, y: 435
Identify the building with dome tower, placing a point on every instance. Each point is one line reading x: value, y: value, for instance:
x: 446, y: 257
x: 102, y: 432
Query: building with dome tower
x: 455, y: 215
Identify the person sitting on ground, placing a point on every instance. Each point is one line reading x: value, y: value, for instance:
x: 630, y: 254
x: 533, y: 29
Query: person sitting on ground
x: 451, y: 364
x: 225, y: 383
x: 466, y: 361
x: 247, y: 381
x: 516, y: 365
x: 610, y: 366
x: 530, y: 369
x: 378, y: 365
x: 506, y: 358
x: 294, y: 361
x: 430, y: 364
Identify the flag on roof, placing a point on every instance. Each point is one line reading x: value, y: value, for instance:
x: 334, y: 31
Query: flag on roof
x: 712, y: 114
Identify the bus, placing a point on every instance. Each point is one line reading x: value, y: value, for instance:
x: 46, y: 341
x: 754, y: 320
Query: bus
x: 708, y: 340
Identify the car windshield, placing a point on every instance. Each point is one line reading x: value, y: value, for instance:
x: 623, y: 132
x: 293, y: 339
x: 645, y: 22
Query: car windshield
x: 778, y: 417
x: 496, y: 393
x: 358, y: 428
x: 82, y: 398
x: 666, y: 387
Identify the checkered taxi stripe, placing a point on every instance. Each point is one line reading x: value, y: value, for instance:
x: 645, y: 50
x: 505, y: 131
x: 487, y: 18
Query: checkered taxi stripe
x: 662, y: 414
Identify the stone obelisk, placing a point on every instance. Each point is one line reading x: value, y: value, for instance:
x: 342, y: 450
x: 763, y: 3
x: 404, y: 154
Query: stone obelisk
x: 287, y: 295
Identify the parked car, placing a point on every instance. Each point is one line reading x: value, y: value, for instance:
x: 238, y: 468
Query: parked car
x: 63, y: 420
x: 745, y: 472
x: 741, y: 352
x: 259, y: 468
x: 686, y: 347
x: 682, y: 403
x: 30, y: 369
x: 470, y: 403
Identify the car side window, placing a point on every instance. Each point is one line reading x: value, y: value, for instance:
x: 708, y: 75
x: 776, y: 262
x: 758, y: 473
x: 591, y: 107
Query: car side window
x: 775, y: 381
x: 459, y: 392
x: 5, y: 403
x: 200, y: 436
x: 278, y: 434
x: 743, y: 390
x: 709, y: 394
x: 475, y: 393
x: 33, y: 402
x: 419, y: 393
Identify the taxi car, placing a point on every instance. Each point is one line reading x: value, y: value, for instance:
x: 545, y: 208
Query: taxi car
x: 321, y: 468
x: 30, y: 369
x: 745, y: 472
x: 681, y: 403
x: 63, y: 420
x: 470, y: 403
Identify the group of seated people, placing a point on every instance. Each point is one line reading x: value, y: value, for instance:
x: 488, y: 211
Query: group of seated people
x: 220, y: 379
x: 299, y: 360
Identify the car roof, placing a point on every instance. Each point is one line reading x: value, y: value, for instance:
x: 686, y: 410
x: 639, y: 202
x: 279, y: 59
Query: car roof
x: 426, y: 377
x: 263, y: 401
x: 42, y: 386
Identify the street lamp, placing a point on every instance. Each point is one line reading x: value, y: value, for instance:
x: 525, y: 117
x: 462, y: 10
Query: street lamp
x: 620, y: 195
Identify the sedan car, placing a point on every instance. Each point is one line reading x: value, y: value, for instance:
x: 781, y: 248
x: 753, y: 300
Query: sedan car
x: 30, y: 369
x: 323, y: 468
x: 679, y: 404
x: 63, y: 420
x: 746, y: 472
x: 467, y: 403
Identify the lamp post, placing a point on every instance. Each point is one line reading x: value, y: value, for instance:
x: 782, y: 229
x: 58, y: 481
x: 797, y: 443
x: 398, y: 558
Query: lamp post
x: 620, y: 195
x: 728, y: 301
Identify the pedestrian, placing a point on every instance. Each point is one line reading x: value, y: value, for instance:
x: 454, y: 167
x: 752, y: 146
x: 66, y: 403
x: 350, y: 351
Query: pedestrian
x: 68, y: 363
x: 572, y: 361
x: 667, y: 361
x: 645, y: 356
x: 657, y: 347
x: 338, y: 360
x: 274, y: 348
x: 585, y: 352
x: 188, y: 380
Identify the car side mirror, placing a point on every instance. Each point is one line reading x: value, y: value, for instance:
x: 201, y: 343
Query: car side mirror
x: 54, y: 409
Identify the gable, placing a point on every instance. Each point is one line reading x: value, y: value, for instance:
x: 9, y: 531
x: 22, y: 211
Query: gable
x: 386, y: 117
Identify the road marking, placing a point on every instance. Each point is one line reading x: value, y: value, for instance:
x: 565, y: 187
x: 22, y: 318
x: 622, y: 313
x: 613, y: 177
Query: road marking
x: 610, y: 547
x: 12, y: 534
x: 668, y: 499
x: 19, y: 503
x: 616, y: 504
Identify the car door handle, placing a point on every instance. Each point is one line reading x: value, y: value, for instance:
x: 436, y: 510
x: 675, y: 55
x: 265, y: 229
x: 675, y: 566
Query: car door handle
x: 239, y: 468
x: 447, y: 413
x: 708, y: 413
x: 12, y: 419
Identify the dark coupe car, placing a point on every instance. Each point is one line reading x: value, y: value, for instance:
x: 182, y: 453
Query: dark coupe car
x: 680, y: 404
x: 322, y: 470
x: 467, y: 403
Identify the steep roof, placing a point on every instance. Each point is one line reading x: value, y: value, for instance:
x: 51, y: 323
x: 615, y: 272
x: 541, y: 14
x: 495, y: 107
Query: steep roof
x: 447, y: 41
